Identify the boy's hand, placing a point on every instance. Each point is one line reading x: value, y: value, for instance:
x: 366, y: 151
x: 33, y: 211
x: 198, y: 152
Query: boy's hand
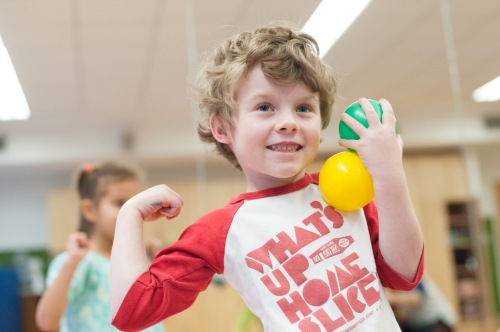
x: 378, y: 147
x: 78, y: 246
x: 381, y: 151
x: 156, y: 202
x: 128, y: 257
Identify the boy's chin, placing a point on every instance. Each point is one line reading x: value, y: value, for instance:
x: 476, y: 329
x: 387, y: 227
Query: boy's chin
x: 277, y: 172
x: 289, y: 173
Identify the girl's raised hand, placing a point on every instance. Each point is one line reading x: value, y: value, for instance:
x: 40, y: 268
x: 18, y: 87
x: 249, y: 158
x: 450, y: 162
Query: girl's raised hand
x: 77, y: 247
x: 379, y: 147
x: 156, y: 202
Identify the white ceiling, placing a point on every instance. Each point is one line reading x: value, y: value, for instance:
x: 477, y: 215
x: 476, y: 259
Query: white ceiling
x: 95, y: 70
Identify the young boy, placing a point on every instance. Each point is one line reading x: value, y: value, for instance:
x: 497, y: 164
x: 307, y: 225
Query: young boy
x: 298, y: 264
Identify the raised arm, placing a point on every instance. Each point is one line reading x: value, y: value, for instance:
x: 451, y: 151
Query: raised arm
x: 52, y: 305
x: 380, y: 150
x: 400, y: 237
x: 128, y: 256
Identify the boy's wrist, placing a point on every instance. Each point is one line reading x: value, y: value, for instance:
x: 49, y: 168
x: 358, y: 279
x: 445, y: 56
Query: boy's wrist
x: 129, y: 212
x: 392, y: 179
x: 388, y: 172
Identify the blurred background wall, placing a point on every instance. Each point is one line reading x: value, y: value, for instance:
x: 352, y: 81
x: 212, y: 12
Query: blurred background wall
x: 109, y: 80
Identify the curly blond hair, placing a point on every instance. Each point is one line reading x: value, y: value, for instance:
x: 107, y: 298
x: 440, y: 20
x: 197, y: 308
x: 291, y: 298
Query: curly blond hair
x: 286, y: 55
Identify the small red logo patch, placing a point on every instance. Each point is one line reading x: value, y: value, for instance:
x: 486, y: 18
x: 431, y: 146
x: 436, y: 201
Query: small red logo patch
x: 332, y: 248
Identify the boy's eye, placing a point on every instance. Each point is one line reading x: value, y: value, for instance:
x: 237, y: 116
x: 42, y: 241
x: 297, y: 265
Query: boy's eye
x: 119, y: 203
x: 264, y: 108
x: 303, y: 109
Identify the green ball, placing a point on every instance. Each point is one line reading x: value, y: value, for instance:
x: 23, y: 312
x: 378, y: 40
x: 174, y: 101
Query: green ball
x: 356, y: 111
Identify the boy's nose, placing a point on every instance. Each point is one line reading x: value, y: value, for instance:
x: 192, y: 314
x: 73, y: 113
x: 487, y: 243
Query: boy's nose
x: 287, y: 125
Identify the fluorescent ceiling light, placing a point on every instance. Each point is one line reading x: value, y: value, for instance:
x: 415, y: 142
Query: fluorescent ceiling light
x: 13, y: 105
x: 331, y: 19
x: 488, y: 92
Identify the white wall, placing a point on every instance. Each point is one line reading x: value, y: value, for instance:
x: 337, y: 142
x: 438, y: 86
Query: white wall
x: 23, y: 205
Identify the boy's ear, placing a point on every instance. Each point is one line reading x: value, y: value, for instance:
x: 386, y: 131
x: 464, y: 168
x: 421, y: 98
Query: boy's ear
x: 89, y: 210
x: 220, y: 129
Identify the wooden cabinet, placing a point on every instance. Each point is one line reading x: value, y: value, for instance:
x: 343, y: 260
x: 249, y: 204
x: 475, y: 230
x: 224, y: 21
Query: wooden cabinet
x: 464, y: 242
x: 433, y: 182
x: 454, y: 237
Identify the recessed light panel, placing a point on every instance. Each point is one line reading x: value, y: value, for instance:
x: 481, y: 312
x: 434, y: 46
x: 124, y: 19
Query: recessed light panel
x: 488, y: 92
x: 331, y: 19
x: 13, y: 105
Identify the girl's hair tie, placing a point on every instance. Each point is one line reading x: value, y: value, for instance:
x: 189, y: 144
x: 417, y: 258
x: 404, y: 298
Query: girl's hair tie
x: 87, y: 168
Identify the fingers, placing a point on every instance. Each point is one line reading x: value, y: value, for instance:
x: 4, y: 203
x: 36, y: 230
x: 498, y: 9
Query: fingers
x: 354, y: 124
x: 170, y: 212
x: 81, y: 240
x: 83, y: 236
x: 78, y: 238
x: 172, y: 204
x: 156, y: 202
x: 348, y: 143
x: 400, y: 142
x: 78, y: 245
x: 371, y: 115
x: 388, y: 117
x: 376, y: 130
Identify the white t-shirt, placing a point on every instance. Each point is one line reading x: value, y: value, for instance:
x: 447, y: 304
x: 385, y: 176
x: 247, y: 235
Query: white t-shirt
x: 298, y: 264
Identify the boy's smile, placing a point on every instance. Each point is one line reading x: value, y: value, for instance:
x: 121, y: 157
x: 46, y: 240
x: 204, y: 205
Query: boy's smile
x: 276, y: 131
x: 285, y: 147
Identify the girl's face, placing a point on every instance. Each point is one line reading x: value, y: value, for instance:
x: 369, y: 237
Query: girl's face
x: 116, y: 194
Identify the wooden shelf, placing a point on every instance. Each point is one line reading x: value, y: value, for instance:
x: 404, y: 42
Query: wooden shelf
x: 463, y: 272
x: 468, y: 279
x: 459, y: 220
x: 462, y: 247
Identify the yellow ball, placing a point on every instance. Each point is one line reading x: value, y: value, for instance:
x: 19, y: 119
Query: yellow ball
x: 345, y: 182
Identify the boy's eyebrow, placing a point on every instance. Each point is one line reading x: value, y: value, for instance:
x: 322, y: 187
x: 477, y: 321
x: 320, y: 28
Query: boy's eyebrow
x: 261, y: 96
x: 313, y: 96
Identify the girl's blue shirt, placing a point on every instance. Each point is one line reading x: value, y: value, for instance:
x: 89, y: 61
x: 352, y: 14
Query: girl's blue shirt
x: 89, y: 296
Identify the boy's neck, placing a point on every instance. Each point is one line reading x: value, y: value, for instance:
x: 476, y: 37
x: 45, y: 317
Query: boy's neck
x: 263, y: 182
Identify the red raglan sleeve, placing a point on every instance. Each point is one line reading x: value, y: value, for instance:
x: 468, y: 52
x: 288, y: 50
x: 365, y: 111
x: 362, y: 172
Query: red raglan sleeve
x: 387, y: 275
x: 177, y: 274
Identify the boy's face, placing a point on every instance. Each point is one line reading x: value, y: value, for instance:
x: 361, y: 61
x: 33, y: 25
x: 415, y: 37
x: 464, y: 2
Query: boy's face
x: 276, y: 130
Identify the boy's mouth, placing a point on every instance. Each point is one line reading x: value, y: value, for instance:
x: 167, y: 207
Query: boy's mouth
x: 285, y: 147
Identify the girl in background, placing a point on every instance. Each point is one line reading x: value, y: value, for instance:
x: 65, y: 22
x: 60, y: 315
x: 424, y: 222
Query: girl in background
x: 77, y: 297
